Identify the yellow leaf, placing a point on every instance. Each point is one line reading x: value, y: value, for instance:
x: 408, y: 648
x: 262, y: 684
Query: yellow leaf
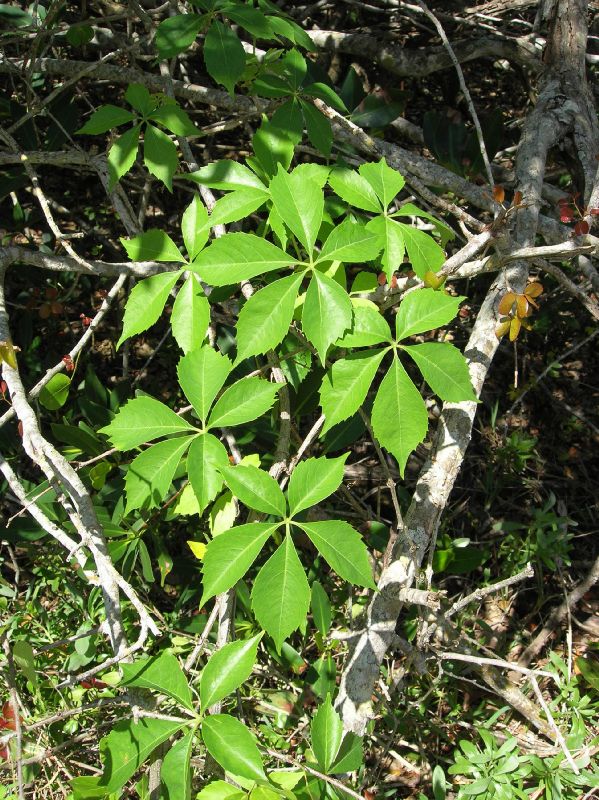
x: 503, y: 328
x: 434, y: 281
x: 197, y: 548
x: 7, y: 354
x: 515, y: 326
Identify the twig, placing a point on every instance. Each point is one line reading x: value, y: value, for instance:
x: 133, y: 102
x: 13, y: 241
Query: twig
x: 110, y: 662
x: 558, y: 734
x: 558, y: 614
x: 463, y: 86
x: 538, y: 378
x: 199, y: 646
x: 478, y: 594
x: 327, y: 778
x: 494, y: 662
x: 591, y: 305
x: 16, y: 712
x: 310, y: 436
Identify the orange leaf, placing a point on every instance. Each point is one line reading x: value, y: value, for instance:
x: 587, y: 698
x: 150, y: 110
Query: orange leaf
x: 521, y: 305
x: 533, y: 289
x: 498, y: 194
x: 506, y: 303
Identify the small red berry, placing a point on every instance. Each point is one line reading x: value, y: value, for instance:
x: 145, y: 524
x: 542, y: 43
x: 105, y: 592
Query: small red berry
x: 382, y: 279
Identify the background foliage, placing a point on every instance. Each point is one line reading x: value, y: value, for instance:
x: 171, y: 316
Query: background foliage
x: 248, y: 249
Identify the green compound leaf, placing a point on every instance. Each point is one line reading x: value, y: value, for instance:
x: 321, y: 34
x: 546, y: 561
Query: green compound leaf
x: 326, y: 733
x: 87, y: 788
x: 393, y: 243
x: 350, y: 242
x: 288, y: 117
x: 206, y: 457
x: 444, y: 369
x: 345, y: 386
x: 220, y: 790
x: 252, y: 20
x: 424, y: 252
x: 281, y: 594
x: 140, y: 98
x: 354, y: 189
x: 238, y: 257
x: 327, y: 312
x: 195, y: 227
x: 385, y: 180
x: 150, y: 474
x: 175, y: 120
x: 141, y: 420
x: 399, y: 418
x: 202, y: 374
x: 314, y: 480
x: 160, y: 155
x: 292, y: 31
x: 176, y: 34
x: 105, y: 118
x: 229, y: 556
x: 153, y: 245
x: 368, y: 327
x: 161, y: 673
x: 191, y: 315
x: 423, y: 310
x: 410, y: 210
x: 272, y: 147
x: 234, y: 747
x: 350, y: 756
x: 227, y: 669
x: 226, y: 175
x: 128, y: 745
x: 324, y: 92
x: 300, y: 203
x: 256, y: 489
x: 237, y: 205
x: 146, y: 303
x: 321, y: 608
x: 122, y: 153
x: 242, y: 402
x: 265, y: 318
x: 224, y: 55
x: 318, y: 128
x: 175, y: 772
x: 343, y: 548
